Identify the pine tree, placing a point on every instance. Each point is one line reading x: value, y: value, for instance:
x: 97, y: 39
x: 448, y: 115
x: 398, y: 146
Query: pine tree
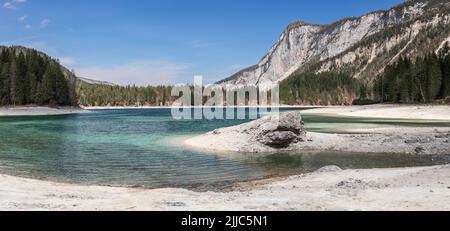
x: 446, y: 76
x: 2, y: 82
x: 32, y: 89
x: 444, y: 56
x: 21, y: 83
x: 433, y: 77
x: 4, y: 90
x: 47, y: 87
x: 420, y: 77
x: 406, y: 81
x: 62, y: 90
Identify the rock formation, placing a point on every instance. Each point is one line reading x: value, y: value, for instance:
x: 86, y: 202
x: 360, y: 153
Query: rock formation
x: 361, y: 46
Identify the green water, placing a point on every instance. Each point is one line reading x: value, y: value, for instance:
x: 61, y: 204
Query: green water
x: 143, y: 148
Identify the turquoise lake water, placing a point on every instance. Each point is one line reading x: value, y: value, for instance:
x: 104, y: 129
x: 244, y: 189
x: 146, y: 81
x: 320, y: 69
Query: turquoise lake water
x: 143, y: 148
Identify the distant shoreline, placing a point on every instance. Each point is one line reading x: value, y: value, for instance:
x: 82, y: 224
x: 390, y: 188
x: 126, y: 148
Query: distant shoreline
x: 169, y: 107
x: 383, y: 111
x: 39, y: 111
x: 387, y: 111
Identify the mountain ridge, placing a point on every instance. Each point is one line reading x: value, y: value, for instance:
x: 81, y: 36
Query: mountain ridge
x: 304, y: 45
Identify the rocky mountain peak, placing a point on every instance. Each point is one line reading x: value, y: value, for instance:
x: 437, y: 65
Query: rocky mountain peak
x: 303, y: 45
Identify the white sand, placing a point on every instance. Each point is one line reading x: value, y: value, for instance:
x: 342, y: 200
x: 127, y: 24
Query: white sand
x: 404, y: 140
x: 423, y: 188
x: 39, y: 111
x: 388, y: 111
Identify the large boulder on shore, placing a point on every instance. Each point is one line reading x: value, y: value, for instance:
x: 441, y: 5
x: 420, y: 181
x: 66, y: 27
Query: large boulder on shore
x: 278, y: 131
x: 283, y: 131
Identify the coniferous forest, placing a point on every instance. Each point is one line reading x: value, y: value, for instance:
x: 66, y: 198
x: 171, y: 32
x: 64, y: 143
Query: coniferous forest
x: 327, y: 88
x: 422, y: 80
x: 29, y: 77
x: 114, y: 95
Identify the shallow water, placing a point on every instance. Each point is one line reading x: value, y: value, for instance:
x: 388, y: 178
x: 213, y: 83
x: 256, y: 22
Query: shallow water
x: 143, y: 148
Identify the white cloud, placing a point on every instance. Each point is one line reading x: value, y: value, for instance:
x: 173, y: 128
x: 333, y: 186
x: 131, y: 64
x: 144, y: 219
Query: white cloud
x: 28, y: 26
x: 9, y: 5
x: 22, y: 18
x: 44, y: 23
x: 141, y: 73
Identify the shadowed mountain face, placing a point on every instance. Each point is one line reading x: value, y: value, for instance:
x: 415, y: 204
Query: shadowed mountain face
x: 361, y: 46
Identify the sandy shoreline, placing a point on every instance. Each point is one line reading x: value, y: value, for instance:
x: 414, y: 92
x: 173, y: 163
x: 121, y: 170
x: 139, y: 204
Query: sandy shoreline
x: 39, y: 111
x: 387, y: 111
x: 395, y: 139
x: 169, y: 107
x: 418, y: 188
x: 421, y: 188
x: 424, y: 141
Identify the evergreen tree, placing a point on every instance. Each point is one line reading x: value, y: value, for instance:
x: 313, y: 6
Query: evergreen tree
x: 445, y: 70
x: 434, y: 77
x: 2, y: 82
x: 420, y: 77
x: 445, y: 67
x: 406, y: 81
x: 48, y: 87
x: 21, y: 83
x: 12, y: 76
x: 29, y: 77
x: 62, y: 91
x: 4, y: 90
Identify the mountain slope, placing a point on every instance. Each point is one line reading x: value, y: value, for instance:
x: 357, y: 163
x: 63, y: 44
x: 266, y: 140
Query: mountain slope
x: 361, y: 46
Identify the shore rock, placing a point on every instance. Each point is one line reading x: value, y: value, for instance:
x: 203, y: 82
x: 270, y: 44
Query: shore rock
x: 286, y: 132
x: 330, y: 168
x: 280, y: 131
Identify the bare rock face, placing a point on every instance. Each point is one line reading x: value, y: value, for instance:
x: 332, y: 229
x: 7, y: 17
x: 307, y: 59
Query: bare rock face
x: 279, y: 131
x: 350, y: 41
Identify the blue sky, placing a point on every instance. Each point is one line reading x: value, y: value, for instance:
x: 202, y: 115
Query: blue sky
x: 159, y: 42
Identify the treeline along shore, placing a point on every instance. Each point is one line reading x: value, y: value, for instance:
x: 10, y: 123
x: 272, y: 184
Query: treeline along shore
x: 29, y: 77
